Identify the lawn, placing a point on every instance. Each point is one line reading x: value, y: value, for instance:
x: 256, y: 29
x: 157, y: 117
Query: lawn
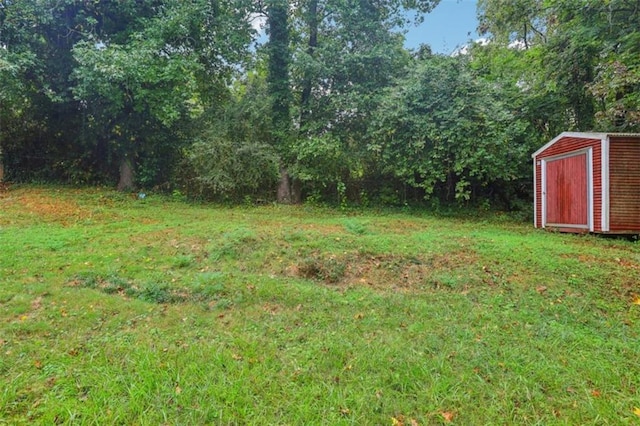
x: 118, y: 310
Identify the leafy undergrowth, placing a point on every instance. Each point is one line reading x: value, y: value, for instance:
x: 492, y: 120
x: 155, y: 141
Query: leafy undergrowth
x: 115, y: 310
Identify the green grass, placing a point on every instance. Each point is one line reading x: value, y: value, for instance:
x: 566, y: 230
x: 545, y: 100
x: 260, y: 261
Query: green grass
x: 115, y: 310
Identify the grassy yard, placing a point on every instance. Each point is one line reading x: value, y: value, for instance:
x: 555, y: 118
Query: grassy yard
x: 115, y: 310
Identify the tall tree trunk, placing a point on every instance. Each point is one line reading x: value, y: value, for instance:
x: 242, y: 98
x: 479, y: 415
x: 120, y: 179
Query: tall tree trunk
x: 284, y: 187
x: 1, y: 166
x: 289, y: 189
x: 126, y: 174
x: 279, y: 58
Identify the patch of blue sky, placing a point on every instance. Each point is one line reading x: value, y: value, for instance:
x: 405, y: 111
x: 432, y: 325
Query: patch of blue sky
x: 448, y: 28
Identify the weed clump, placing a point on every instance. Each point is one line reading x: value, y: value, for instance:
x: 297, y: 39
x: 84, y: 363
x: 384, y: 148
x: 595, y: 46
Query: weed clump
x: 208, y: 288
x: 330, y: 270
x: 160, y: 293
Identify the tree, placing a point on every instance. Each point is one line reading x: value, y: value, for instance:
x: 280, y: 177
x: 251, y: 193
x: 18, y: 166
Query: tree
x: 448, y: 131
x: 616, y: 84
x: 113, y: 83
x: 520, y: 23
x: 46, y: 32
x: 131, y: 90
x: 138, y: 90
x: 279, y: 58
x: 16, y: 59
x: 345, y: 52
x: 10, y: 89
x: 232, y: 157
x: 582, y: 52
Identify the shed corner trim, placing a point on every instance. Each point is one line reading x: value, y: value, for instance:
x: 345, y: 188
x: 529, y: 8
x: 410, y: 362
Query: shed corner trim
x: 583, y: 135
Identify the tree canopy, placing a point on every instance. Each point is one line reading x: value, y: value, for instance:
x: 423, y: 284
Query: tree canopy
x: 329, y: 105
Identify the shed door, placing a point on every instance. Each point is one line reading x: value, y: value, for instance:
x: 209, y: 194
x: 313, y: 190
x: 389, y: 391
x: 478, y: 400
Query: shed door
x: 567, y: 191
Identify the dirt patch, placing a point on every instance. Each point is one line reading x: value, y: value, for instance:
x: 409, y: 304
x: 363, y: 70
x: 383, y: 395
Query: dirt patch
x: 389, y: 272
x: 45, y: 207
x: 454, y: 259
x: 407, y: 273
x: 380, y: 272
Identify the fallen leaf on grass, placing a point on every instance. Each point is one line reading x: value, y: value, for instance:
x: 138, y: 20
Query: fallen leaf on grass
x: 636, y: 301
x: 178, y: 390
x: 636, y: 411
x: 447, y: 416
x: 595, y: 393
x: 397, y: 421
x: 541, y: 289
x: 400, y: 421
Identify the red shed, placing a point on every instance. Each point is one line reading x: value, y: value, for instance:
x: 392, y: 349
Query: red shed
x: 588, y: 182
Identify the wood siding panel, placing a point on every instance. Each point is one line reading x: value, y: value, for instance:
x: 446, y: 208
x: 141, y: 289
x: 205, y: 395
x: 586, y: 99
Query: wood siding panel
x: 567, y: 145
x: 624, y: 184
x: 538, y: 190
x: 567, y: 196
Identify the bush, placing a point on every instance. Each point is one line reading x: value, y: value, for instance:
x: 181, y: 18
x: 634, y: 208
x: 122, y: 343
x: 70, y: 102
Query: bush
x: 224, y: 169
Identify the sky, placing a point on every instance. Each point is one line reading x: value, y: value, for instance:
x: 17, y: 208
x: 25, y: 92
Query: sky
x: 449, y: 26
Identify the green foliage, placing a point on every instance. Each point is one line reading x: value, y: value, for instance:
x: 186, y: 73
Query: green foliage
x: 444, y: 129
x: 135, y: 78
x: 617, y: 88
x: 356, y: 226
x: 333, y: 106
x: 226, y: 169
x: 278, y: 62
x: 103, y: 81
x: 509, y: 21
x: 156, y: 293
x: 233, y: 155
x: 616, y: 85
x: 345, y: 55
x: 140, y: 90
x: 582, y: 60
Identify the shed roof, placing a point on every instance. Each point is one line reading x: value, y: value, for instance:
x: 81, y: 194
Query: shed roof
x: 583, y: 135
